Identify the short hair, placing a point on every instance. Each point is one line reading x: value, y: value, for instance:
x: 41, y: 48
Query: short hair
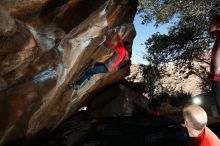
x: 197, y: 125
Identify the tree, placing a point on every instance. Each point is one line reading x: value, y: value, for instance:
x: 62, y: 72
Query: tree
x: 187, y: 37
x: 152, y: 74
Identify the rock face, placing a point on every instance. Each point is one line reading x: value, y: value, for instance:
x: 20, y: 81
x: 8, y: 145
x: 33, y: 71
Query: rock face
x: 114, y: 102
x: 188, y: 80
x: 192, y: 79
x: 136, y: 73
x: 45, y: 44
x: 118, y: 101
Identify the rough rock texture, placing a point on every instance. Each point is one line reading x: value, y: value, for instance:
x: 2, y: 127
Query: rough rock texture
x: 118, y: 101
x: 188, y: 79
x: 136, y: 73
x: 44, y: 44
x: 114, y: 102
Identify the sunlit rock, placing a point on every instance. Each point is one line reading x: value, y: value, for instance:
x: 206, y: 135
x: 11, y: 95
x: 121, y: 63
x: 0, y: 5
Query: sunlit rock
x: 44, y: 45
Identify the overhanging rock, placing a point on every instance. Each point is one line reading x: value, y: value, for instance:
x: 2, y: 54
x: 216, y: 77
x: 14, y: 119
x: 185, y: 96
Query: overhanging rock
x: 44, y: 45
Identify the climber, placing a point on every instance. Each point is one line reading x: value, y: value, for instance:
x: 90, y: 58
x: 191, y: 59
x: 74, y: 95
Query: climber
x: 214, y: 30
x: 109, y: 65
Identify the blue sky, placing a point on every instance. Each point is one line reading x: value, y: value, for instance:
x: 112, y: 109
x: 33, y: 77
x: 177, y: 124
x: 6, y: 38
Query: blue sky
x: 143, y: 32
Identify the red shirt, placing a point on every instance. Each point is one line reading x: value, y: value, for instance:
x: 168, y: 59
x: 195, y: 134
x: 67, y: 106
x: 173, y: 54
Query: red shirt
x: 118, y: 56
x: 205, y: 138
x: 215, y: 61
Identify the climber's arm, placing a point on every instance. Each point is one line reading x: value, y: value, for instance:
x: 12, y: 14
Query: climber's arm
x: 108, y: 43
x: 120, y: 41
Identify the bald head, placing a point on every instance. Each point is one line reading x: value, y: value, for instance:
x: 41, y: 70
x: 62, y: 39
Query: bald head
x: 196, y: 116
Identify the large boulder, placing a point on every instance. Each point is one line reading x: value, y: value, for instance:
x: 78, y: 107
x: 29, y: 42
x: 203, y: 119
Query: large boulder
x: 118, y: 101
x: 44, y: 45
x: 116, y: 104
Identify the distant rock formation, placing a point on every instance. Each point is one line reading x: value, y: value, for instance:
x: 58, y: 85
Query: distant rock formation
x: 186, y: 79
x: 44, y: 45
x: 136, y: 73
x: 192, y: 79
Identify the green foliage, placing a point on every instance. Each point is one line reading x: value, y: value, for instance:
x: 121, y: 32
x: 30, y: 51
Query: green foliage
x: 151, y: 74
x: 180, y: 44
x: 187, y: 37
x: 163, y: 10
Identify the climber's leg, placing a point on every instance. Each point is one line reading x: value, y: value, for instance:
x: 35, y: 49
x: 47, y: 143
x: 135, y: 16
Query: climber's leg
x: 99, y: 68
